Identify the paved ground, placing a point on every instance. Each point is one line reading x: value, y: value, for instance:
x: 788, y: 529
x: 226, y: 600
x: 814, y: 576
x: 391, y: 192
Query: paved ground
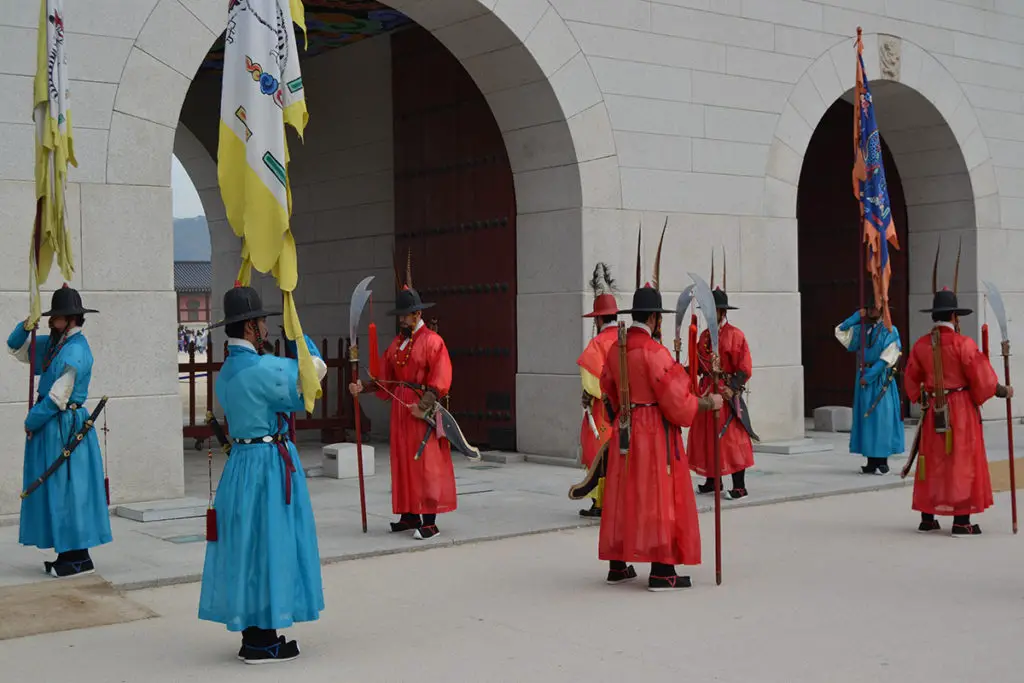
x: 495, y: 501
x: 838, y: 589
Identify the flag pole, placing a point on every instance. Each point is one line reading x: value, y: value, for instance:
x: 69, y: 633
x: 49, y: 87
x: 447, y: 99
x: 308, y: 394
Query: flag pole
x: 861, y: 247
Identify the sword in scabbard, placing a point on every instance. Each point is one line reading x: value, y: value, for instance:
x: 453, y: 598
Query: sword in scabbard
x: 881, y: 394
x: 218, y: 433
x: 68, y: 450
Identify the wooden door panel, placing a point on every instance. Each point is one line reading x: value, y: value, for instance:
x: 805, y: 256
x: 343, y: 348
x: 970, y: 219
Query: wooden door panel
x: 455, y: 211
x: 829, y: 239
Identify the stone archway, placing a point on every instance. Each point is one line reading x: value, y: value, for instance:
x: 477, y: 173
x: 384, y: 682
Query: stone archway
x: 936, y: 142
x: 556, y: 129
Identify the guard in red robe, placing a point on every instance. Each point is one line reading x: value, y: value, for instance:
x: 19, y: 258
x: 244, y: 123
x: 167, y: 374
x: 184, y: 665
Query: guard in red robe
x: 416, y: 371
x: 595, y: 429
x: 952, y: 476
x: 650, y: 514
x: 733, y: 424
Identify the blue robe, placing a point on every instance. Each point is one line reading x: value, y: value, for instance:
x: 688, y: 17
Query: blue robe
x: 879, y: 435
x: 264, y: 568
x: 69, y: 511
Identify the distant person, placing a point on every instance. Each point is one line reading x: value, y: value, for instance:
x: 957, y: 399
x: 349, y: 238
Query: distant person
x: 877, y: 430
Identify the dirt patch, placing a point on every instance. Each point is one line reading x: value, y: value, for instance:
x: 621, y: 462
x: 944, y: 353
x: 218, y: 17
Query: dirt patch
x: 64, y: 605
x: 1000, y: 472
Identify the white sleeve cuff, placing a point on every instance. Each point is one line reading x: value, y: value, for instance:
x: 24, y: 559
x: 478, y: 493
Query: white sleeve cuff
x: 60, y: 392
x: 22, y: 353
x: 845, y: 337
x: 321, y: 371
x: 891, y: 354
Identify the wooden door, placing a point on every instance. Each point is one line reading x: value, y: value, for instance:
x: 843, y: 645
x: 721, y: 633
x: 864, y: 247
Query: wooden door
x: 455, y: 210
x: 829, y: 235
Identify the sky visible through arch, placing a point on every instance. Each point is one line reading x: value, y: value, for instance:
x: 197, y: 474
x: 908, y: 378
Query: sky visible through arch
x: 185, y: 198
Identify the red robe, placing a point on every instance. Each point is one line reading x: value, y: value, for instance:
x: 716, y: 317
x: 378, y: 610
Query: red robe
x: 956, y: 483
x: 425, y: 486
x: 650, y: 514
x: 592, y: 360
x: 737, y: 448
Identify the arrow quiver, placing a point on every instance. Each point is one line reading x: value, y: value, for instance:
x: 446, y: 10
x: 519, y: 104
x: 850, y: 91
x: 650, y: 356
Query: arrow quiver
x: 624, y: 402
x: 940, y: 408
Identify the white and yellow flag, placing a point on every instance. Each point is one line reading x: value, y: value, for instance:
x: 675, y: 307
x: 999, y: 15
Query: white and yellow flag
x: 262, y: 91
x: 54, y: 151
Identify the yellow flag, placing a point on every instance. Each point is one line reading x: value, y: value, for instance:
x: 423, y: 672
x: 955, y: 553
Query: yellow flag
x: 54, y: 151
x: 262, y: 91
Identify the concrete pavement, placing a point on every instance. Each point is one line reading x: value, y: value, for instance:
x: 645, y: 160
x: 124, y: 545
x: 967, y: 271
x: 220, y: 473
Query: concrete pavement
x: 495, y: 501
x: 836, y: 590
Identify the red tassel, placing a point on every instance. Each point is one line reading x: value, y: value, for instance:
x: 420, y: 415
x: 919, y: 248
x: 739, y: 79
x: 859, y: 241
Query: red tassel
x: 106, y: 487
x: 374, y: 351
x: 984, y: 339
x: 211, y: 525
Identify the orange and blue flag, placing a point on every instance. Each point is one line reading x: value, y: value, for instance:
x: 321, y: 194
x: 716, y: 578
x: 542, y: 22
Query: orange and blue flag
x: 870, y: 188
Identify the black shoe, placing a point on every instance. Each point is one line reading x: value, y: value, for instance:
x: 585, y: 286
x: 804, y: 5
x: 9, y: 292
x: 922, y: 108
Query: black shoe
x: 736, y: 494
x: 929, y: 525
x: 63, y: 570
x: 883, y: 469
x: 406, y: 523
x: 425, y: 533
x: 241, y: 651
x: 594, y: 511
x: 281, y: 651
x: 617, y: 576
x: 966, y: 530
x: 705, y: 488
x: 661, y: 584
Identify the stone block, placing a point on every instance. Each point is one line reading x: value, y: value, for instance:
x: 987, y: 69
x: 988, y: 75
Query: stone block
x: 729, y: 158
x: 542, y: 146
x: 536, y: 103
x: 653, y: 151
x: 702, y: 193
x: 100, y: 59
x: 619, y: 77
x: 176, y: 37
x: 648, y: 48
x: 794, y: 447
x: 550, y: 42
x: 591, y: 132
x: 114, y: 17
x: 340, y: 461
x: 151, y: 90
x: 742, y: 93
x: 769, y: 66
x: 833, y: 419
x: 643, y: 115
x: 543, y: 316
x: 549, y: 404
x: 547, y: 246
x: 163, y: 510
x: 768, y: 253
x: 548, y: 189
x: 476, y: 36
x: 740, y: 125
x: 633, y: 14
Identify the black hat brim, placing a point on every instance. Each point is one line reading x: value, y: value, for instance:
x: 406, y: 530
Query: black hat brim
x: 727, y: 308
x: 643, y: 310
x: 945, y: 309
x: 411, y: 309
x: 52, y: 313
x: 242, y: 317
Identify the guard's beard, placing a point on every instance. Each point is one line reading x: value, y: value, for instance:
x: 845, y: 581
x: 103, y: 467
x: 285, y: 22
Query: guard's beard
x: 405, y: 331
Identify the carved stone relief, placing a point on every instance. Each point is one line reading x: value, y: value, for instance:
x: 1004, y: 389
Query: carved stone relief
x: 889, y: 52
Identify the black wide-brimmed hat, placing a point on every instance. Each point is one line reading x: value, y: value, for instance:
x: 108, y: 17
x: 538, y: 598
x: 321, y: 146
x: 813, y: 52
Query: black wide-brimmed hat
x: 241, y: 304
x: 945, y: 301
x: 408, y: 301
x: 646, y: 300
x: 65, y: 302
x: 722, y: 300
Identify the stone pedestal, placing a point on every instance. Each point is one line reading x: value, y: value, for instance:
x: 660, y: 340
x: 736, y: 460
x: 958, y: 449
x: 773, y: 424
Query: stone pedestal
x: 833, y: 419
x: 339, y: 461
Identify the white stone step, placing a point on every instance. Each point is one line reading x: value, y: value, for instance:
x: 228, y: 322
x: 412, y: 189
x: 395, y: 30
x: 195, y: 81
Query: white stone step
x: 163, y: 510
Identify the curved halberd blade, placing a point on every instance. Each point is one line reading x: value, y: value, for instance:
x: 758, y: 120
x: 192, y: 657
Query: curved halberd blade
x: 683, y: 303
x: 995, y: 299
x: 706, y: 303
x: 359, y: 298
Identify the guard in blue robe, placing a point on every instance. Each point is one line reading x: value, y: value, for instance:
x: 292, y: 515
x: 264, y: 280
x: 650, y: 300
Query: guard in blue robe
x: 263, y: 571
x: 877, y: 430
x: 69, y: 511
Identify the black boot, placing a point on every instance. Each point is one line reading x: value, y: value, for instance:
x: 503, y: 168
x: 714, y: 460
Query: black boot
x: 70, y: 563
x: 962, y: 526
x: 264, y: 646
x: 594, y: 510
x: 928, y: 523
x: 664, y: 578
x: 739, y: 486
x: 428, y: 529
x: 620, y: 572
x: 707, y: 487
x: 406, y: 522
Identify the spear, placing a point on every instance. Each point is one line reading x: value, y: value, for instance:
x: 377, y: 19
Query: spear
x: 995, y: 299
x: 359, y: 298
